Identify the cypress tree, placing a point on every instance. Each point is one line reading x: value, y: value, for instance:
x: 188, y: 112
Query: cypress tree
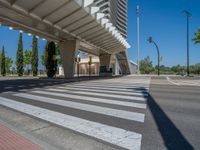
x: 3, y: 63
x: 44, y: 55
x: 51, y: 64
x: 19, y: 57
x: 34, y: 56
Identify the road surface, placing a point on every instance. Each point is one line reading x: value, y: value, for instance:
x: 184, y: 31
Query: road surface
x: 133, y: 112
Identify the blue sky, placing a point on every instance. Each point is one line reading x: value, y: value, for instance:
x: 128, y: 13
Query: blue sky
x: 162, y: 19
x: 9, y: 39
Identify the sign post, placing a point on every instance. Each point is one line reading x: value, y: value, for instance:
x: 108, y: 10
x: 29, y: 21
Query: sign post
x: 90, y: 63
x: 78, y: 60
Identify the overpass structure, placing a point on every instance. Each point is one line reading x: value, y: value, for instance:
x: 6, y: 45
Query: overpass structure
x: 74, y: 24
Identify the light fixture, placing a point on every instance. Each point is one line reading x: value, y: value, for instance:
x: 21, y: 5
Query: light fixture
x: 20, y: 31
x: 44, y: 39
x: 10, y: 28
x: 37, y: 37
x: 29, y: 34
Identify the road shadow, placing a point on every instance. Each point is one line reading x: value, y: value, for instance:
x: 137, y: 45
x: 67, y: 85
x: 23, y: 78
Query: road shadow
x: 171, y: 135
x: 16, y: 85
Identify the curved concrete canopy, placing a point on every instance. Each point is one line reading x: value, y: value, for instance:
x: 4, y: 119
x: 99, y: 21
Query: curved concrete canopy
x: 60, y: 20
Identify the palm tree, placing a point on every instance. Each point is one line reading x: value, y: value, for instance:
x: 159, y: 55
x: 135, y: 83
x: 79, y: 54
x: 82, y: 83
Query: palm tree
x: 197, y: 36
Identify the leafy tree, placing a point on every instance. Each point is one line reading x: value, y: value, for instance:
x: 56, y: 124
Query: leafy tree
x: 34, y: 56
x: 195, y: 69
x: 58, y: 55
x: 51, y: 64
x: 19, y: 57
x: 8, y: 64
x: 3, y: 62
x: 197, y: 36
x: 27, y: 59
x: 178, y: 69
x: 44, y: 55
x: 146, y: 66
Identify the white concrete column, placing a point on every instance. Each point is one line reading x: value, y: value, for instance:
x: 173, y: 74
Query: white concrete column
x: 67, y: 50
x: 116, y: 67
x: 105, y: 60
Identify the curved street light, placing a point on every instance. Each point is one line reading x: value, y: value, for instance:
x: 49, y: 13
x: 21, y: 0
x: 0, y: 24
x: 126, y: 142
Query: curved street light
x: 150, y: 39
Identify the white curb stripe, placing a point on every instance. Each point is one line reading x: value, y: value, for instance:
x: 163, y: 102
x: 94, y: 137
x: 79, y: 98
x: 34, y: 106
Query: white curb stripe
x: 86, y: 107
x: 116, y: 136
x: 105, y: 91
x: 143, y: 99
x: 93, y: 99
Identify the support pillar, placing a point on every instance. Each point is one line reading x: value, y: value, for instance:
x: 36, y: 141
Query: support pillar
x: 67, y: 50
x: 116, y: 67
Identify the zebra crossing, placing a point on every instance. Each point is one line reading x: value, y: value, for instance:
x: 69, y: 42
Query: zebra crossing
x: 106, y: 110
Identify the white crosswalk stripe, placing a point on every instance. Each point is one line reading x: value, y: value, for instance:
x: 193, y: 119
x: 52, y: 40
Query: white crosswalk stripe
x: 101, y: 94
x: 93, y: 99
x: 123, y: 100
x: 110, y: 88
x: 106, y: 91
x: 120, y: 87
x: 97, y: 109
x: 113, y: 135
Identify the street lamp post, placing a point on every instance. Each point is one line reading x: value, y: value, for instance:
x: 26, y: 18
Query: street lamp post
x: 152, y: 41
x: 138, y: 36
x: 188, y: 15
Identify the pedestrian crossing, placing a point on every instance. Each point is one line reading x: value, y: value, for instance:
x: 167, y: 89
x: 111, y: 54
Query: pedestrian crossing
x: 104, y: 91
x: 98, y: 94
x: 106, y: 110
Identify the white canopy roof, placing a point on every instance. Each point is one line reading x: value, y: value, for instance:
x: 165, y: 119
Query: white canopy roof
x: 63, y: 20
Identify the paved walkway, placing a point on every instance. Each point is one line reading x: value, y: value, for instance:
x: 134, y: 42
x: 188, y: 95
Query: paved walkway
x: 10, y: 140
x: 111, y: 110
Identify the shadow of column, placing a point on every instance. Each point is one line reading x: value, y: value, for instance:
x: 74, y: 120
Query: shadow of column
x: 172, y: 137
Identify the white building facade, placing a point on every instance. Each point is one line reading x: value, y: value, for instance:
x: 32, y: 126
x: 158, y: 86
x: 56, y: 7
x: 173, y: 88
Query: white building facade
x: 116, y: 12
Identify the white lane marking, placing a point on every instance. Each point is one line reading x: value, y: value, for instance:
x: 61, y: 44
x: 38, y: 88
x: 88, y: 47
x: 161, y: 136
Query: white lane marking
x: 143, y: 99
x: 116, y: 136
x: 109, y: 88
x: 168, y: 79
x: 86, y: 107
x: 190, y: 83
x: 105, y: 91
x: 183, y: 82
x: 93, y: 99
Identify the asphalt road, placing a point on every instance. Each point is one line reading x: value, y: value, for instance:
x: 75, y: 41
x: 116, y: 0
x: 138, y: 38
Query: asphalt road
x: 173, y: 115
x: 111, y: 114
